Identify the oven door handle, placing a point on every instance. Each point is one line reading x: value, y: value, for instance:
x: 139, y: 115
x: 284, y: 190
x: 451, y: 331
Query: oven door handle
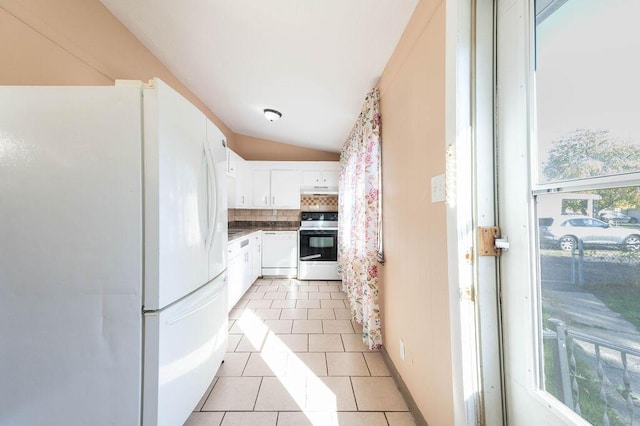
x: 321, y: 232
x: 311, y: 256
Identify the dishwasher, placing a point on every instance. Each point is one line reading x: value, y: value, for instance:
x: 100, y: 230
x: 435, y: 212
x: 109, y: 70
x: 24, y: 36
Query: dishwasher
x: 280, y: 254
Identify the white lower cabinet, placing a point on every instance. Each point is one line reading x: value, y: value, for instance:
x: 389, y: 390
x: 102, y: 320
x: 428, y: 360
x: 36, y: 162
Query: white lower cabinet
x: 244, y: 265
x: 261, y: 253
x: 239, y: 269
x: 256, y: 255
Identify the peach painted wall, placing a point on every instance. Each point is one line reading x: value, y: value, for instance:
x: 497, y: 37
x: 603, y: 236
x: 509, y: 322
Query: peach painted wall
x: 415, y: 294
x: 251, y: 148
x: 79, y: 42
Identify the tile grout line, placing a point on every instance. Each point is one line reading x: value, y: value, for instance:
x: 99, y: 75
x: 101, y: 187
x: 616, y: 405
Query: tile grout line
x: 367, y: 364
x: 255, y: 401
x: 353, y: 392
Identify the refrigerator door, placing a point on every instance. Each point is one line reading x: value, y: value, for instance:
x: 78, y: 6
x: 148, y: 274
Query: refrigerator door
x: 184, y: 347
x: 71, y: 255
x: 177, y: 219
x: 217, y: 242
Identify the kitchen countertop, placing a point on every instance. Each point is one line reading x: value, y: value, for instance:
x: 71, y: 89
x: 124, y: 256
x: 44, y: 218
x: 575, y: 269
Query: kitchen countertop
x: 236, y: 233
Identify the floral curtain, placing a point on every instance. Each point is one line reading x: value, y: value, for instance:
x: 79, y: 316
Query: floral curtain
x: 359, y: 212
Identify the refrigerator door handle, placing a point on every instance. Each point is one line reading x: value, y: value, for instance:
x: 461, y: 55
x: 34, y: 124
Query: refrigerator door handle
x: 198, y: 307
x: 212, y: 194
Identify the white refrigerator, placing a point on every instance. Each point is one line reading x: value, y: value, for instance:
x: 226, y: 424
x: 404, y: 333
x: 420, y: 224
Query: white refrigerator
x: 113, y: 232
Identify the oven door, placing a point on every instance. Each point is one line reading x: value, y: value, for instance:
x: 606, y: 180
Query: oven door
x: 319, y: 245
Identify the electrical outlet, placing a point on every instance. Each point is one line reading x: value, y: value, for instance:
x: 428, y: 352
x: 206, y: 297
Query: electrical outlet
x: 401, y: 350
x: 275, y: 212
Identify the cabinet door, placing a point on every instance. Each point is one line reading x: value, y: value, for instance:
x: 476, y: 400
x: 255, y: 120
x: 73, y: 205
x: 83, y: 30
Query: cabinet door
x: 247, y: 270
x: 234, y: 278
x: 261, y: 188
x: 243, y: 186
x: 311, y: 178
x: 232, y: 162
x: 330, y: 178
x: 319, y: 178
x: 285, y: 189
x: 256, y: 250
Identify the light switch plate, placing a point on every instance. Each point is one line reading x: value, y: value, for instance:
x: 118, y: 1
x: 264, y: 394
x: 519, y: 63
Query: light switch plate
x: 438, y: 189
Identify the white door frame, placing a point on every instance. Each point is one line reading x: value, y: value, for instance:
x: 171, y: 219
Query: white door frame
x: 475, y: 321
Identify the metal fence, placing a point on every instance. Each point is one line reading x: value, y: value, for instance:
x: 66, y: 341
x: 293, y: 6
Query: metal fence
x: 581, y: 267
x: 610, y: 369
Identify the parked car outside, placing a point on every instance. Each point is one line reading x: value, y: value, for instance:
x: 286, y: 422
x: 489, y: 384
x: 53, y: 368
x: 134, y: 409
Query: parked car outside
x: 565, y: 231
x: 633, y: 213
x: 614, y: 218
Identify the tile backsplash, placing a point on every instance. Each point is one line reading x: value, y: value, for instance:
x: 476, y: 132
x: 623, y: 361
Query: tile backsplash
x: 322, y: 203
x: 263, y: 215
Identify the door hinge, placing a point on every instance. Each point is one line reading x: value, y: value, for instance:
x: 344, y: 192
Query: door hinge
x: 491, y: 242
x: 468, y: 294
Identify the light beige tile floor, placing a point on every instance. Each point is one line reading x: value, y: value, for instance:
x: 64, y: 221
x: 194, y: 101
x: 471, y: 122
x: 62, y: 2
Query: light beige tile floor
x: 295, y: 358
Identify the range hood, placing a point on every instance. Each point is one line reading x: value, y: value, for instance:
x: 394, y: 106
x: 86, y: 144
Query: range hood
x: 319, y: 190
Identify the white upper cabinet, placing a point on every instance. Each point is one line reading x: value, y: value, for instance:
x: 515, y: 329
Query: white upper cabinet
x: 320, y: 178
x: 238, y: 181
x: 261, y: 188
x: 276, y: 189
x: 275, y: 184
x: 243, y: 186
x: 285, y: 189
x: 232, y: 163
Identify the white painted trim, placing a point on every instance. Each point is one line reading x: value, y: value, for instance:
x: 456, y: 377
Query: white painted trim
x: 485, y: 214
x: 526, y: 404
x: 466, y: 400
x: 475, y: 322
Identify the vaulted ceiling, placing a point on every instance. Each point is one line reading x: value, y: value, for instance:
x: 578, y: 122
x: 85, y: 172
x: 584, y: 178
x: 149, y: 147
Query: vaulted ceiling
x: 312, y: 60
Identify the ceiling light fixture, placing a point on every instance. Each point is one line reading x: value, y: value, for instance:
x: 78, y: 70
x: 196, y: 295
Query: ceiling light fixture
x: 272, y: 114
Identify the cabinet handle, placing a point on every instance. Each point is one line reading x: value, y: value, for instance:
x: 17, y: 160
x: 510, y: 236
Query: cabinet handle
x: 273, y: 201
x: 265, y: 200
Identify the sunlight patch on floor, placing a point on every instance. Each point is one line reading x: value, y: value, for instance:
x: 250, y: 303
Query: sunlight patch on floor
x: 313, y: 397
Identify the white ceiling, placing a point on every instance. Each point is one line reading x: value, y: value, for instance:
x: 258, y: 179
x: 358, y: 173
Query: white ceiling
x: 313, y: 60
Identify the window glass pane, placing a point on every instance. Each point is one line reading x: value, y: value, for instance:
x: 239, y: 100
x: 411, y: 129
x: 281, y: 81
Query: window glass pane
x: 589, y: 277
x: 588, y: 264
x: 587, y: 88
